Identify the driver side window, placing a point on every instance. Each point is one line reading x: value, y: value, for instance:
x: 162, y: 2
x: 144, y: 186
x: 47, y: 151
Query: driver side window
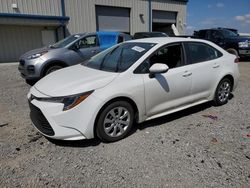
x: 86, y: 42
x: 169, y: 55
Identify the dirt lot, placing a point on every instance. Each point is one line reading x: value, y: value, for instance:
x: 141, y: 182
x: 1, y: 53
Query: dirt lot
x: 184, y: 149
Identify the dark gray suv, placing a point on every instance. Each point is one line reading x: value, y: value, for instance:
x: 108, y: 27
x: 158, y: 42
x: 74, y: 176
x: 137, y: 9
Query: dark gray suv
x: 70, y: 51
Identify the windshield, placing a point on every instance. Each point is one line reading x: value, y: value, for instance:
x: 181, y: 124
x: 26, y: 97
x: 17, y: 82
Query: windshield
x: 120, y: 57
x: 65, y: 42
x: 229, y: 33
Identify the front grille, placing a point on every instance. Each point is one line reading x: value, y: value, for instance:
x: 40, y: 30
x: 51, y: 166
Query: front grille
x: 40, y: 121
x: 21, y: 62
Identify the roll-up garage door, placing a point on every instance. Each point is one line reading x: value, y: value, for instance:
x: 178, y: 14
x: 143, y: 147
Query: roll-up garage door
x: 162, y: 21
x: 16, y: 40
x: 164, y: 16
x: 113, y: 19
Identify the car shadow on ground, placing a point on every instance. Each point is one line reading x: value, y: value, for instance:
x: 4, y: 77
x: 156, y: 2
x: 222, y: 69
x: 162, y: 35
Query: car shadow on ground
x: 77, y: 143
x: 140, y: 126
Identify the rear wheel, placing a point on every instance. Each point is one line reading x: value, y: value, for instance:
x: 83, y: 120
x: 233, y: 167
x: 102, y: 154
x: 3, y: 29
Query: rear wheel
x: 233, y: 51
x: 222, y: 92
x: 115, y: 121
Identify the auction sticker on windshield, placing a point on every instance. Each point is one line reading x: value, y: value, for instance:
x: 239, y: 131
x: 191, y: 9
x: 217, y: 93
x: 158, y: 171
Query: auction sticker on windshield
x: 138, y: 49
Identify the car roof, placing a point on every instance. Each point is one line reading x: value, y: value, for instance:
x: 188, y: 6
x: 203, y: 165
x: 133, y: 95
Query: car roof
x: 165, y: 40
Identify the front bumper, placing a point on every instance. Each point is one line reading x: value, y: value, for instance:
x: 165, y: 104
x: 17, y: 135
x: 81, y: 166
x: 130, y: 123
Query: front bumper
x: 30, y: 69
x: 244, y: 53
x: 74, y: 124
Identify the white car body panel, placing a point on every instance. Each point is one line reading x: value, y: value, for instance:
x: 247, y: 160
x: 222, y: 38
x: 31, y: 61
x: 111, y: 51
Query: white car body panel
x: 177, y: 89
x: 73, y: 80
x: 169, y: 94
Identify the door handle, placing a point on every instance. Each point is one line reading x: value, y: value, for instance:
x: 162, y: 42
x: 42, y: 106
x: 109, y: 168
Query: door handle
x: 216, y: 65
x: 187, y: 73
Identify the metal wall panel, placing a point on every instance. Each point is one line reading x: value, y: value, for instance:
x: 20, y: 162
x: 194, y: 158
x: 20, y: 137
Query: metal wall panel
x: 83, y: 16
x: 40, y: 7
x: 175, y: 6
x: 18, y: 40
x: 160, y: 16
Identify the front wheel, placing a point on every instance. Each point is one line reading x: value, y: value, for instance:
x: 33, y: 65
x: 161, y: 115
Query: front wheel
x: 222, y: 92
x: 115, y: 121
x: 52, y: 69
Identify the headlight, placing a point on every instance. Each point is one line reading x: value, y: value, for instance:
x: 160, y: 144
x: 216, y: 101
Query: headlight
x: 34, y: 56
x: 243, y: 44
x: 68, y: 101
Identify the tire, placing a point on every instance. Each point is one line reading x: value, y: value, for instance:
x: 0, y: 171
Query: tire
x: 52, y: 69
x: 222, y: 92
x: 115, y: 121
x: 233, y: 51
x: 31, y: 82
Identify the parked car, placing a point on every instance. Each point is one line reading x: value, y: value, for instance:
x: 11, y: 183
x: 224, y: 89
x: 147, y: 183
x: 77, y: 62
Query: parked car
x: 72, y: 50
x: 140, y: 35
x: 228, y: 39
x: 137, y: 81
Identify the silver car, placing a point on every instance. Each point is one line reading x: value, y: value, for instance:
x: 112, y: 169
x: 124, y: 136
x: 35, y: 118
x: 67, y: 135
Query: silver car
x: 72, y: 50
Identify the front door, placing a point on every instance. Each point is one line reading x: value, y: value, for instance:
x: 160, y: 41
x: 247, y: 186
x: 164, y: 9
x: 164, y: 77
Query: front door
x: 86, y: 48
x: 168, y: 90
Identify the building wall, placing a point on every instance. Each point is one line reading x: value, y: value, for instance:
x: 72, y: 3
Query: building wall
x: 24, y: 38
x: 39, y: 7
x: 83, y: 17
x: 176, y: 6
x: 20, y: 35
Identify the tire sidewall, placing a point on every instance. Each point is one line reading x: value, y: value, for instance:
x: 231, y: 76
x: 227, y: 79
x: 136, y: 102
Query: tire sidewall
x: 100, y: 132
x: 233, y: 51
x: 216, y: 97
x: 53, y: 69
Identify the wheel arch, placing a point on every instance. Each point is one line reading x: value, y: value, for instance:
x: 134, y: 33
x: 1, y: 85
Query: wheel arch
x: 120, y: 98
x: 231, y: 78
x: 52, y: 63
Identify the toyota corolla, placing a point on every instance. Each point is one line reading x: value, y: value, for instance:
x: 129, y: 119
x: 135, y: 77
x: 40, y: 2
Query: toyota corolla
x: 134, y: 81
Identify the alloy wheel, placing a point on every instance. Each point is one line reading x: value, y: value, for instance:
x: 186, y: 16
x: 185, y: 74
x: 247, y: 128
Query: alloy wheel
x: 117, y: 121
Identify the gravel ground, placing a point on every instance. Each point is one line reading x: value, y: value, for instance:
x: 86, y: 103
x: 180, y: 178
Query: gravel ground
x: 185, y: 149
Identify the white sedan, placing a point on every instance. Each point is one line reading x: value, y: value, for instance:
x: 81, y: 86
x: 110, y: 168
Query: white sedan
x: 133, y: 81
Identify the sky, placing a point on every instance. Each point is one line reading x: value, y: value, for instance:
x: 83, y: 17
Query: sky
x: 202, y: 14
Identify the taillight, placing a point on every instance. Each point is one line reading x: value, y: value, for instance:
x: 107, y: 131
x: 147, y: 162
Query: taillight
x: 237, y: 60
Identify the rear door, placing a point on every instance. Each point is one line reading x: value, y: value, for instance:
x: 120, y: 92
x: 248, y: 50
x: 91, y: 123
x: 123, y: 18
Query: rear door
x: 205, y: 66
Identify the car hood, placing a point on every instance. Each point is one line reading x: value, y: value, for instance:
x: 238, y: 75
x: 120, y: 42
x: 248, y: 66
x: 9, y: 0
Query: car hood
x: 35, y: 51
x: 39, y: 50
x: 73, y: 80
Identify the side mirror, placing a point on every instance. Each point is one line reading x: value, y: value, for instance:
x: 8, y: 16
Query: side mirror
x: 157, y: 68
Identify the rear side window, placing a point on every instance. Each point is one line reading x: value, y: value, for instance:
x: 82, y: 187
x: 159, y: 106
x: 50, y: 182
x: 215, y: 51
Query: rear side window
x: 199, y: 52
